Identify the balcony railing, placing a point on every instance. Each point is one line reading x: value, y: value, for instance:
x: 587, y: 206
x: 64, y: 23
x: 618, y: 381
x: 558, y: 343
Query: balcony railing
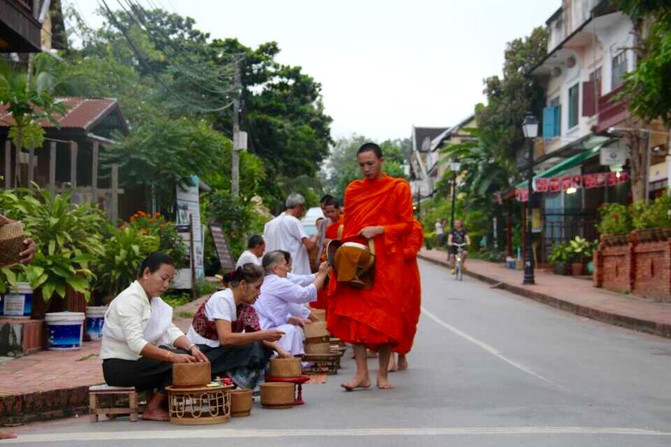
x: 611, y: 110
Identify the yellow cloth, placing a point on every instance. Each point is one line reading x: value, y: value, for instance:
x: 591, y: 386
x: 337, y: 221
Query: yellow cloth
x: 353, y: 265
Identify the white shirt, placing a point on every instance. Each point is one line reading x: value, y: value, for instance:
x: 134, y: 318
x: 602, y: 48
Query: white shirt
x: 220, y: 306
x: 247, y: 257
x: 280, y: 298
x: 439, y: 228
x: 129, y: 313
x: 286, y: 233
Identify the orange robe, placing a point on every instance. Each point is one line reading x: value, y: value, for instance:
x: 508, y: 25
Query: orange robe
x: 413, y: 287
x: 322, y: 293
x: 374, y: 317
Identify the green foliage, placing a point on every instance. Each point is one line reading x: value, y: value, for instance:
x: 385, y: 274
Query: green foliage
x: 511, y: 98
x: 615, y: 218
x: 581, y: 248
x: 648, y: 86
x: 176, y: 299
x: 430, y: 239
x: 655, y: 214
x: 560, y: 252
x: 117, y: 268
x: 170, y: 243
x: 67, y: 237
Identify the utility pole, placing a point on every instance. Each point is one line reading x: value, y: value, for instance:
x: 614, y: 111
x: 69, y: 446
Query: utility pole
x: 235, y: 161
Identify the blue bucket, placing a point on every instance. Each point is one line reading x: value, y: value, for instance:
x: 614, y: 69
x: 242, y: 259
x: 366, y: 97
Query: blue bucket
x: 17, y: 303
x: 65, y: 330
x: 95, y: 319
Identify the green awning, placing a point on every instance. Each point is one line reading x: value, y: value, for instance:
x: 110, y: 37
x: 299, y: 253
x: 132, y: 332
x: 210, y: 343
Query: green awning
x: 565, y: 165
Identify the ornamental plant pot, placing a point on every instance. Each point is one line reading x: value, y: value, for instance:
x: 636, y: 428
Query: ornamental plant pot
x: 560, y: 268
x: 577, y: 268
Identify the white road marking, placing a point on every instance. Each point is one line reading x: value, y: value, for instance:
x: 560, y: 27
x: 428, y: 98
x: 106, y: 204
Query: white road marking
x: 223, y: 433
x: 490, y: 349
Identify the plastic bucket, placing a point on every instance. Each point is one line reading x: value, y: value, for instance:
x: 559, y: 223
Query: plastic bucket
x: 65, y: 330
x: 17, y: 303
x: 95, y: 318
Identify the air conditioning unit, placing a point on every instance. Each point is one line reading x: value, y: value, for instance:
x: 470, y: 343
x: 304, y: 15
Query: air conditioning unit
x: 570, y: 62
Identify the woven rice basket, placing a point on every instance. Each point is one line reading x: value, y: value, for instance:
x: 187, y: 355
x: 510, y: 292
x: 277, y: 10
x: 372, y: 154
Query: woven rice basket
x: 319, y: 313
x: 191, y: 374
x: 11, y: 244
x: 241, y: 403
x: 318, y: 348
x: 316, y: 329
x: 285, y: 367
x: 277, y: 394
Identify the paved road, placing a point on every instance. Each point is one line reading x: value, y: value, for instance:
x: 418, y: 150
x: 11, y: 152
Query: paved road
x: 488, y: 369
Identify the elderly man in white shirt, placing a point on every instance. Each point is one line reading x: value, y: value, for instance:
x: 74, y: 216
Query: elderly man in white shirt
x: 256, y: 246
x: 285, y: 232
x: 136, y: 324
x: 281, y: 304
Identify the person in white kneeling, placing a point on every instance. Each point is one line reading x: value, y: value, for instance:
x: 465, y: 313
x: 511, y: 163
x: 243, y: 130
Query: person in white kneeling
x: 139, y: 340
x: 280, y: 304
x: 256, y: 246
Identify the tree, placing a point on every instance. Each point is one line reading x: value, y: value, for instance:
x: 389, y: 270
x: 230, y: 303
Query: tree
x: 510, y: 98
x: 28, y: 96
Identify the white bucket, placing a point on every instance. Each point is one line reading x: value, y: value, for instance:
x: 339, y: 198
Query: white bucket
x: 95, y: 319
x: 17, y: 303
x: 65, y: 330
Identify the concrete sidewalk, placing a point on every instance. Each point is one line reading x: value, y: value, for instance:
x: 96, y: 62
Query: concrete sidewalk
x: 571, y: 294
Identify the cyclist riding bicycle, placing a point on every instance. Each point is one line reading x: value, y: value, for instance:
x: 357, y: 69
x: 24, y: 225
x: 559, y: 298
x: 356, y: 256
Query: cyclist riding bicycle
x: 458, y: 235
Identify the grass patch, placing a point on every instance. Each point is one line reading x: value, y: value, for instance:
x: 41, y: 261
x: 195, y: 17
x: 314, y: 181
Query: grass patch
x: 185, y: 314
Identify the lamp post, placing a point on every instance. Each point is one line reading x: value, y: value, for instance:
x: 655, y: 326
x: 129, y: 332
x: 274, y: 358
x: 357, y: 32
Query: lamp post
x: 455, y: 166
x: 530, y: 129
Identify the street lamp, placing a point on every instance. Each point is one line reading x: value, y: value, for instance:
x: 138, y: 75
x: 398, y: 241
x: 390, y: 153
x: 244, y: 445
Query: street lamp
x: 530, y: 129
x: 455, y: 166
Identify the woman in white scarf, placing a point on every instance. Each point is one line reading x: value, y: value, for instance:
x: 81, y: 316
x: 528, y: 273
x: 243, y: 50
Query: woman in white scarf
x: 136, y: 324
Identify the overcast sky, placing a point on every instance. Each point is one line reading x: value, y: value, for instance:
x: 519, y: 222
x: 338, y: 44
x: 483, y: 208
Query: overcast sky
x: 384, y: 65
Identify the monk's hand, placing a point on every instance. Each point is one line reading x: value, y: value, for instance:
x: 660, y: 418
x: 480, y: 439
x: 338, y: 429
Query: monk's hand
x: 271, y: 334
x: 371, y: 232
x: 198, y: 354
x: 28, y: 254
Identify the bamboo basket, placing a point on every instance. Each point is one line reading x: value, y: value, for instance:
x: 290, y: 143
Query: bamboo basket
x: 317, y: 338
x: 11, y: 244
x: 318, y: 348
x: 285, y: 367
x: 186, y: 375
x: 241, y: 403
x: 316, y: 329
x: 277, y: 395
x: 319, y: 313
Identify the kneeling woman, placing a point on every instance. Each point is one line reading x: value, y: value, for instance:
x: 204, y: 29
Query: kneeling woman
x: 227, y: 331
x: 136, y: 324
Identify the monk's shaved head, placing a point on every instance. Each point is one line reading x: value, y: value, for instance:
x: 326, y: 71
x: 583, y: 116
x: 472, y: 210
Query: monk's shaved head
x: 370, y: 147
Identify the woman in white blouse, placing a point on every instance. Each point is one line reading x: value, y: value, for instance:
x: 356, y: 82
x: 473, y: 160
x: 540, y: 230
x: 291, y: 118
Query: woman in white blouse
x: 226, y: 328
x: 136, y: 324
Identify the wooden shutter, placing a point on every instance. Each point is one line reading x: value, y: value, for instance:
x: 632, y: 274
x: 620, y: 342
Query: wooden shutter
x: 549, y: 122
x: 588, y: 99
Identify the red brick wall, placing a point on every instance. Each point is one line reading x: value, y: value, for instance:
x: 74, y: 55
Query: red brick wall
x: 652, y: 278
x: 613, y: 268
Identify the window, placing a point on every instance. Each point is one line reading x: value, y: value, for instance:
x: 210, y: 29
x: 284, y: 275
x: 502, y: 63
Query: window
x: 573, y: 105
x: 619, y: 69
x: 591, y: 90
x: 552, y: 119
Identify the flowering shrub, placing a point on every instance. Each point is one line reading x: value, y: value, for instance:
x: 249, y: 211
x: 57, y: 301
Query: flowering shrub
x: 157, y: 225
x: 615, y: 218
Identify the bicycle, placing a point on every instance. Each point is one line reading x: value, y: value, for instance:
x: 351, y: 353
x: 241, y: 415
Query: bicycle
x: 459, y: 262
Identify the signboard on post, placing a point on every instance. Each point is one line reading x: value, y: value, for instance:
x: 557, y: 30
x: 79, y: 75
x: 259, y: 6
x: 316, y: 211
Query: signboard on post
x: 223, y: 251
x: 189, y: 227
x: 613, y: 156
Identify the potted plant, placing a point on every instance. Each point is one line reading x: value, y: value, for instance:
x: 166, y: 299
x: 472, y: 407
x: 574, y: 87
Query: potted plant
x: 579, y: 247
x: 16, y: 289
x: 559, y: 256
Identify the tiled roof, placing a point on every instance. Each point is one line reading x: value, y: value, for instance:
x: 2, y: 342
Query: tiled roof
x: 81, y: 113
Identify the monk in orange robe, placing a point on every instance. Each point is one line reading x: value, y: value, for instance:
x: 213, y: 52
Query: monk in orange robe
x: 331, y: 207
x: 413, y: 302
x: 378, y: 207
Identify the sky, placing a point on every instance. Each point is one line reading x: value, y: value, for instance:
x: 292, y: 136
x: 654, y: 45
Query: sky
x: 384, y: 66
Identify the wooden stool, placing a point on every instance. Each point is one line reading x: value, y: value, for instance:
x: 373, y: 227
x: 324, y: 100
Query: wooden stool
x: 113, y: 391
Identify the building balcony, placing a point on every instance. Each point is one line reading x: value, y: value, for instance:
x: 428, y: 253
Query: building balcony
x: 19, y: 30
x: 611, y: 110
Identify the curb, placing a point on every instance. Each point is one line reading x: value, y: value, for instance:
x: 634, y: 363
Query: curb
x: 637, y: 324
x: 44, y: 405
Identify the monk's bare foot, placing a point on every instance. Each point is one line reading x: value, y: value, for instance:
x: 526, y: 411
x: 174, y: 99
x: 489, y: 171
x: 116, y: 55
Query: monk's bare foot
x: 357, y: 384
x: 155, y: 415
x: 402, y: 363
x: 384, y: 384
x: 7, y: 435
x: 392, y: 364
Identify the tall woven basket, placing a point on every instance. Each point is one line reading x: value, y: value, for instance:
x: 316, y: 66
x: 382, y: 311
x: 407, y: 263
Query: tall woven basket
x: 11, y: 244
